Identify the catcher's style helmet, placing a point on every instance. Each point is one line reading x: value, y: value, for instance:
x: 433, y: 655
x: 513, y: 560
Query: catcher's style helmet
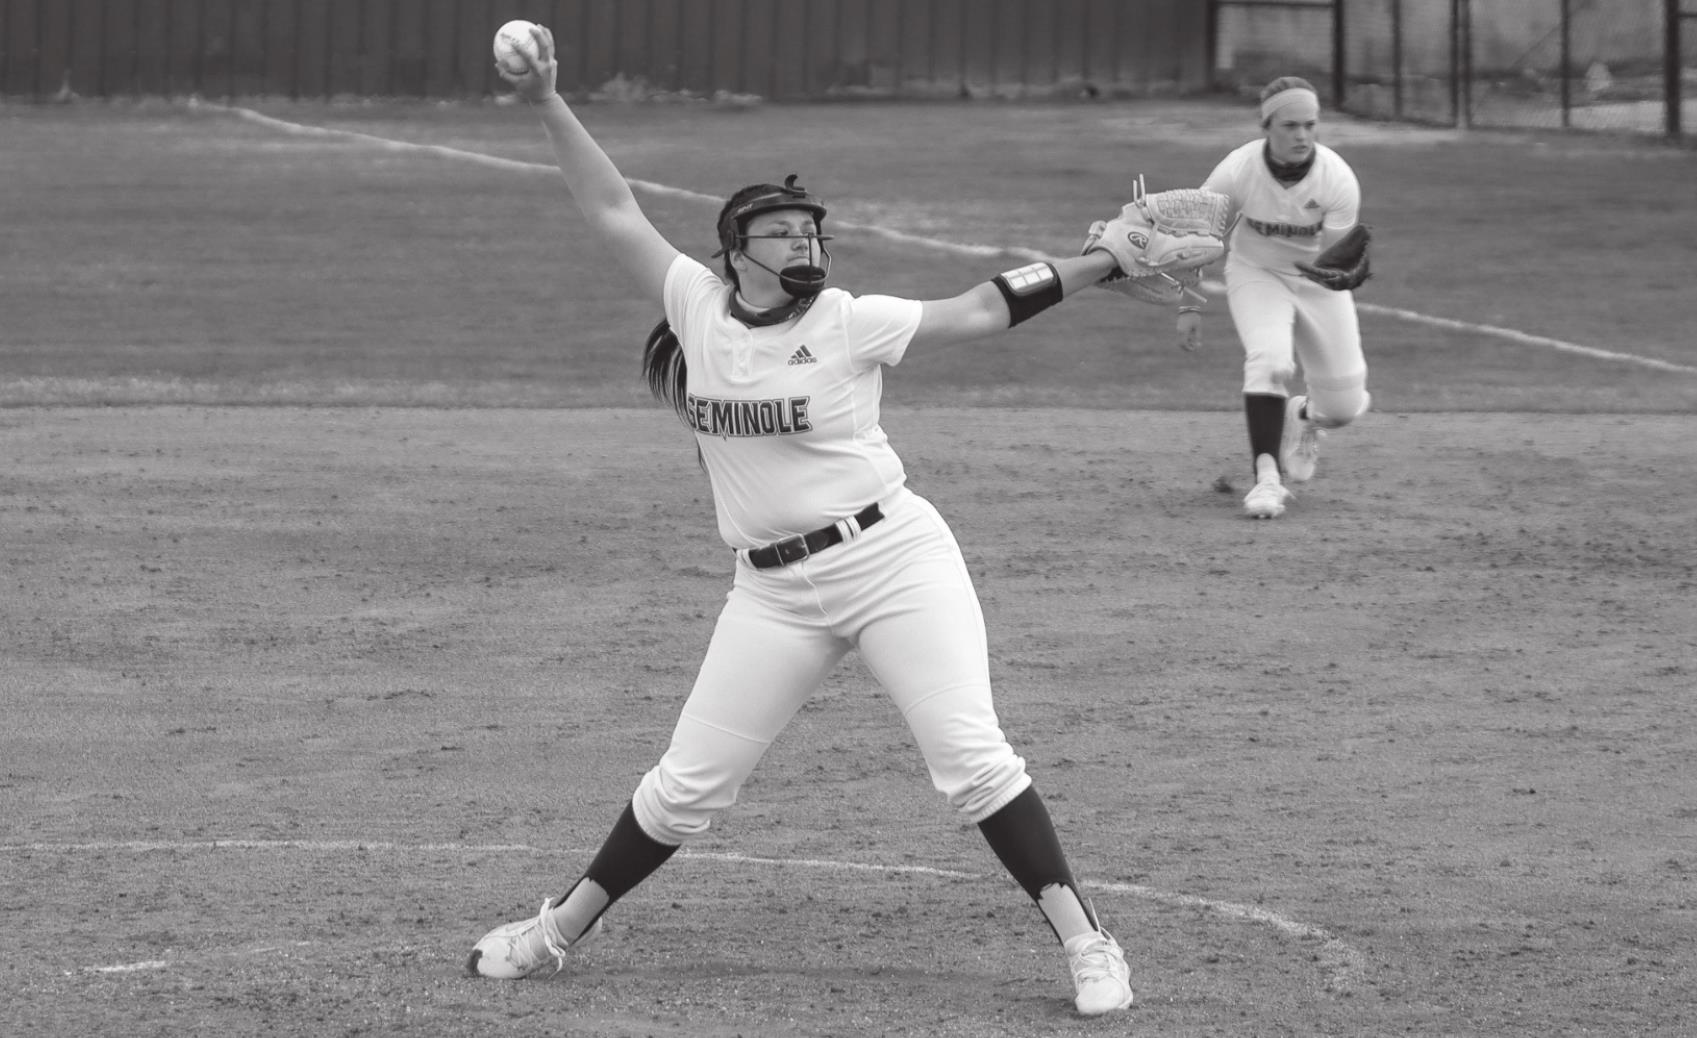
x: 802, y: 280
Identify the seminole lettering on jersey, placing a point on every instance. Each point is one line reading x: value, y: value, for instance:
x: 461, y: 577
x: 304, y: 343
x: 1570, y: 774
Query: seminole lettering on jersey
x: 712, y: 417
x: 1283, y: 230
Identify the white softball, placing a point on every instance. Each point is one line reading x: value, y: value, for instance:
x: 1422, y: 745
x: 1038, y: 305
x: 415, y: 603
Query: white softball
x: 512, y: 41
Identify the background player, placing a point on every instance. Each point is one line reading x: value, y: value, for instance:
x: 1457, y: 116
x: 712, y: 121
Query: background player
x: 1292, y: 197
x: 780, y: 377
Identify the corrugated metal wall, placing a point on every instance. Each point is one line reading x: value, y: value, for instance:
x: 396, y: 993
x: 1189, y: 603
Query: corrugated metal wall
x: 782, y: 49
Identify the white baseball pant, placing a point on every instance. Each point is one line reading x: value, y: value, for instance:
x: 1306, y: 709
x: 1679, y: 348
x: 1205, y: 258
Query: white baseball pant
x: 900, y: 594
x: 1283, y: 319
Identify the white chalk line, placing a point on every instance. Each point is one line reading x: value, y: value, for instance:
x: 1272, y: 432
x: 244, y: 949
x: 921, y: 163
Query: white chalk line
x: 153, y: 965
x: 938, y: 244
x: 647, y: 186
x: 131, y: 967
x: 1340, y: 962
x: 1526, y: 339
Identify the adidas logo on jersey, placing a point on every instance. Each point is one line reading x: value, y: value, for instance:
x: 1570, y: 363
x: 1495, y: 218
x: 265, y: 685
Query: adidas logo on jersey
x: 803, y: 355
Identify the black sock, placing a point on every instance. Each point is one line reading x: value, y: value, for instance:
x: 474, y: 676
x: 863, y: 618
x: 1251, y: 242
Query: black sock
x: 1023, y: 837
x: 1265, y: 414
x: 627, y: 857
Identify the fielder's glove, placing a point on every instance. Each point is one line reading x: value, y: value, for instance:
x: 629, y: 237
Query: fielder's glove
x: 1169, y: 232
x: 1160, y: 289
x: 1343, y: 266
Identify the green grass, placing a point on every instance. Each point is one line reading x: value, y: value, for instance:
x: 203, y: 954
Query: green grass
x: 160, y: 253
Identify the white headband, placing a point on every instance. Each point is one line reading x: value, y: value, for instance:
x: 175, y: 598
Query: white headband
x: 1285, y: 97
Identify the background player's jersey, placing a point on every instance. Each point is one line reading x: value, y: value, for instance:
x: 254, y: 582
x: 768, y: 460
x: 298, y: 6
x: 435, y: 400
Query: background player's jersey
x: 1278, y: 226
x: 787, y: 417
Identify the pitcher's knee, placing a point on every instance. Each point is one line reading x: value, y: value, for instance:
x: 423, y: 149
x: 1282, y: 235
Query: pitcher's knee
x: 987, y: 789
x: 672, y: 809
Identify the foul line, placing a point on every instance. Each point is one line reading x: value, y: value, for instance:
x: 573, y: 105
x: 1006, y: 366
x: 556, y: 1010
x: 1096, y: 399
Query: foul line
x: 1525, y: 339
x: 956, y: 248
x: 647, y: 186
x: 1340, y: 962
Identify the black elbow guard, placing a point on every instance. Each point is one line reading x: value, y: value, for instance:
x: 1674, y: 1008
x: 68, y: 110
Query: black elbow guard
x: 1029, y: 290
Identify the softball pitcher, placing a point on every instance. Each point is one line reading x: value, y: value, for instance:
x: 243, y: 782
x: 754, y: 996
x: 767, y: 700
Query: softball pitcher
x: 1296, y: 252
x: 779, y: 378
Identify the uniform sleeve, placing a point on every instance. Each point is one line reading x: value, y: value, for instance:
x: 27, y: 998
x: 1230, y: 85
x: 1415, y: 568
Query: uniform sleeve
x: 690, y: 285
x: 1343, y: 209
x: 879, y: 329
x: 1224, y: 179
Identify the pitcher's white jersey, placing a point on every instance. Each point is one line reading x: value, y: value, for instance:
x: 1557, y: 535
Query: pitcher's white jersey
x: 1278, y: 226
x: 787, y: 416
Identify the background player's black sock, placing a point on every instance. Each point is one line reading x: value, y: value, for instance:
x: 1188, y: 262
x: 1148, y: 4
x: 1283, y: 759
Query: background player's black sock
x: 1265, y: 414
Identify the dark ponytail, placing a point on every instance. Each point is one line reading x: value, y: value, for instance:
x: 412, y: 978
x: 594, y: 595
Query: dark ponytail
x: 663, y: 368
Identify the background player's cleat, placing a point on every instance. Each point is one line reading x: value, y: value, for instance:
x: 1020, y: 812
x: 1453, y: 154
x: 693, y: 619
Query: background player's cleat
x: 1099, y: 973
x: 1266, y: 500
x: 516, y: 950
x: 1299, y: 450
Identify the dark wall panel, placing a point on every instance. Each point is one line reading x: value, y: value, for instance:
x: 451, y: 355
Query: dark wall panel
x: 782, y: 49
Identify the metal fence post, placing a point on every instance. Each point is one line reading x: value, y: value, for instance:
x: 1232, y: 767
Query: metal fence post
x: 1455, y: 62
x: 1340, y: 81
x: 1462, y: 64
x: 1396, y: 58
x: 1210, y: 44
x: 1672, y: 90
x: 1566, y: 63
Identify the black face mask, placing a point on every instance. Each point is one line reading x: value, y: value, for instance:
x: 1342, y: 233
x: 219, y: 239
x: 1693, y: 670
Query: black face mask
x: 804, y: 280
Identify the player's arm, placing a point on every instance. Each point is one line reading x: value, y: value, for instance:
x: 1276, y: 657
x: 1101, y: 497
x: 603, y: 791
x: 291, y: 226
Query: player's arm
x: 1008, y: 299
x: 597, y: 186
x: 1330, y: 235
x: 1343, y: 209
x: 1342, y: 262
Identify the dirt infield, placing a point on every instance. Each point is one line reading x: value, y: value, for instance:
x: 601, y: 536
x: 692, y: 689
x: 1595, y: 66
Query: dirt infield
x: 302, y: 701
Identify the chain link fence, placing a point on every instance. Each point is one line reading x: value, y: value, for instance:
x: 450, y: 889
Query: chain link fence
x: 1613, y: 65
x: 1605, y: 65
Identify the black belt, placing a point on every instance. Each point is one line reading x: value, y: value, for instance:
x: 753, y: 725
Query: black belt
x: 794, y: 549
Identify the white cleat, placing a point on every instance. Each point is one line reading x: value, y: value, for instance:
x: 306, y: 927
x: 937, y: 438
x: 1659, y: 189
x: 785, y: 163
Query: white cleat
x: 514, y: 951
x: 1267, y: 500
x: 1299, y: 449
x: 1099, y: 973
